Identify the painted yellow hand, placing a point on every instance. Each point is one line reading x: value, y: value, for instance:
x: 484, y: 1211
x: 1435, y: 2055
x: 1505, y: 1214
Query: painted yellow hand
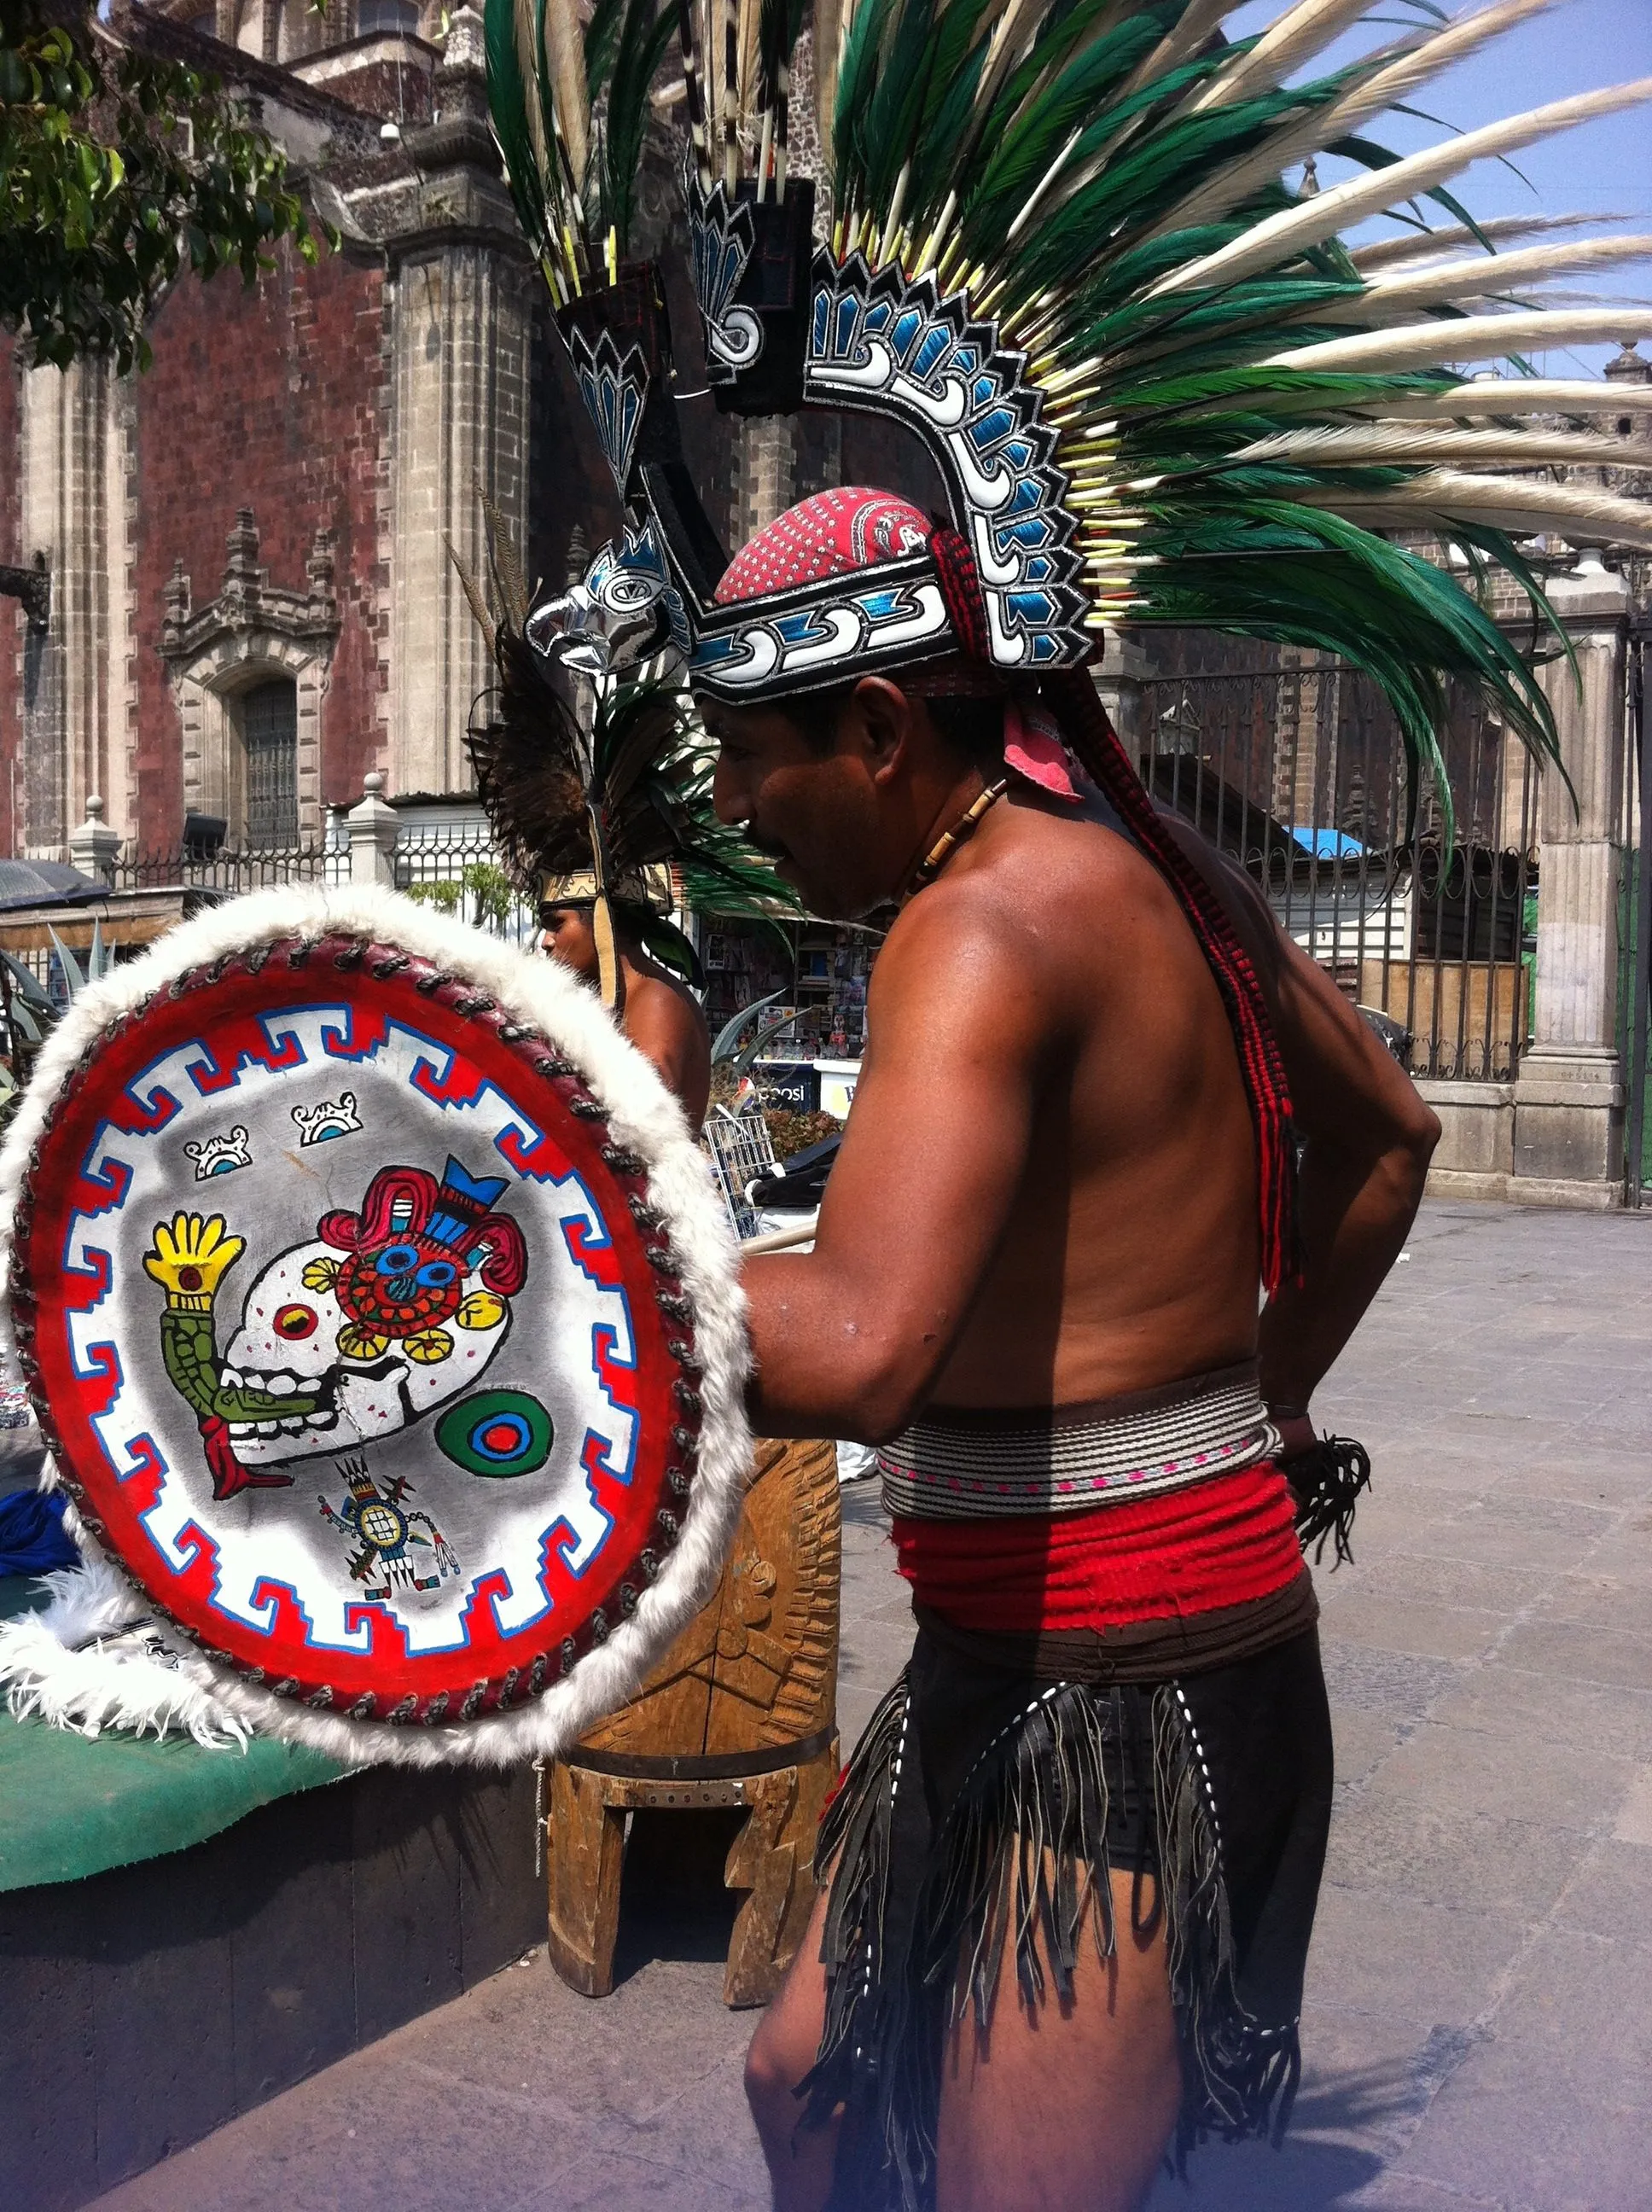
x: 191, y: 1254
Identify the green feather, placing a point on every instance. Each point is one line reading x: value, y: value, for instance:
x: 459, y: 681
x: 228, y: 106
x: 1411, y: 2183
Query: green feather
x: 602, y: 38
x: 507, y: 105
x: 641, y: 48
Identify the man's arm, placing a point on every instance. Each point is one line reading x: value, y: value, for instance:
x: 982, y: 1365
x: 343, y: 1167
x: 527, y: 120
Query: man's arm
x: 1368, y: 1140
x: 848, y: 1339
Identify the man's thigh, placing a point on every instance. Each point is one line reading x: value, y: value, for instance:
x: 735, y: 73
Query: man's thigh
x: 1065, y: 2107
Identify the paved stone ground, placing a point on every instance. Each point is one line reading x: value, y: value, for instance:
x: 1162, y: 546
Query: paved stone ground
x: 1479, y: 2028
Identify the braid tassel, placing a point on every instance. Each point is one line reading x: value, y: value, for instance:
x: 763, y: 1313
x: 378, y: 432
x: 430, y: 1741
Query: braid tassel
x: 1083, y: 718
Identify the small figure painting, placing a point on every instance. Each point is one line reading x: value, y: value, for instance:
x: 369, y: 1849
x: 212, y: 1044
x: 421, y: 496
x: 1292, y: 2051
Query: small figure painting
x: 386, y: 1533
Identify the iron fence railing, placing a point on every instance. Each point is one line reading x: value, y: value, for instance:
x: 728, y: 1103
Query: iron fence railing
x: 452, y: 863
x: 1298, y: 774
x: 226, y: 872
x: 1295, y: 771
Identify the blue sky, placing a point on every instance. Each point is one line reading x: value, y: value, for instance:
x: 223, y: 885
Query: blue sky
x: 1605, y: 167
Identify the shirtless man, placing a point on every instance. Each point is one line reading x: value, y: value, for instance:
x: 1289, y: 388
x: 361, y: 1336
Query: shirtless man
x: 658, y: 1012
x: 1045, y: 1208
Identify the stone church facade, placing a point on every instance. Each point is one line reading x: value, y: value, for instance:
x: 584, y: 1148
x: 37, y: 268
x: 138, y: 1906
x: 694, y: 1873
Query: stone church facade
x: 252, y: 604
x: 251, y: 601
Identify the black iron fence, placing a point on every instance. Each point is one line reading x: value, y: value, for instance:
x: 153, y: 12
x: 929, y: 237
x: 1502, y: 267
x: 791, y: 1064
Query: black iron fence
x: 1297, y: 772
x: 226, y: 872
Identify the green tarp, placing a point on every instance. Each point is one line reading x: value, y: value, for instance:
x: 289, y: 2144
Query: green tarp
x: 70, y: 1806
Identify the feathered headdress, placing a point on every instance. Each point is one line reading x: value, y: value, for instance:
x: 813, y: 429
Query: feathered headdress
x: 1157, y: 384
x: 591, y: 763
x: 1066, y: 253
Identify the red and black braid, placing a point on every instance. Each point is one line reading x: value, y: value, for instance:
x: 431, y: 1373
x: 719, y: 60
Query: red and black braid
x: 1084, y: 724
x: 1073, y: 697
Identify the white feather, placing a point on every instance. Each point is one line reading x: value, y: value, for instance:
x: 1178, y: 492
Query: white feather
x: 1522, y: 505
x: 1228, y: 187
x: 1480, y: 274
x: 1179, y: 44
x: 1302, y: 31
x: 1281, y: 237
x: 1516, y: 395
x: 1428, y: 245
x: 1465, y: 338
x: 1426, y: 58
x: 1403, y: 444
x: 646, y: 1119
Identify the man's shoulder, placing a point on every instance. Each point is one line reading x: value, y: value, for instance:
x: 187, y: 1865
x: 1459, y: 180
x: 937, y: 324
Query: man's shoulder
x: 665, y: 999
x: 1041, y: 879
x: 1017, y: 925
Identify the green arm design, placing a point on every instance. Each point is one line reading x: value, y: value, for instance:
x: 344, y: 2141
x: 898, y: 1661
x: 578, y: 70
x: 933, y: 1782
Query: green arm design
x: 191, y: 1357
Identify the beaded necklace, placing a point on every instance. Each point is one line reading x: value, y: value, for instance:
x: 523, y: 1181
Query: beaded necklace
x: 948, y: 842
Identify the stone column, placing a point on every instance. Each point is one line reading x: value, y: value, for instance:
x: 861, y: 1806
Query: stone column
x: 1118, y: 678
x: 462, y: 330
x: 462, y: 334
x: 373, y: 830
x: 764, y: 473
x: 94, y: 847
x: 74, y: 704
x: 1569, y: 1099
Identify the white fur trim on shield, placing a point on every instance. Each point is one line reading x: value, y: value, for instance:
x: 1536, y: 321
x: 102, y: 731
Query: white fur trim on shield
x: 646, y: 1119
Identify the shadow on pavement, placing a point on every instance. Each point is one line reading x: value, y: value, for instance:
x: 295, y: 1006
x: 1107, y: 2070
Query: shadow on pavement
x: 1317, y: 2167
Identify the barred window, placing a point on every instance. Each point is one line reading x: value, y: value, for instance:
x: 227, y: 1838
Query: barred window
x: 270, y: 734
x: 382, y: 15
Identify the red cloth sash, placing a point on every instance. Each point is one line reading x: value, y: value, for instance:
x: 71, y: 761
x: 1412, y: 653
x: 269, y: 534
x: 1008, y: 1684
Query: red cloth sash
x: 1218, y: 1543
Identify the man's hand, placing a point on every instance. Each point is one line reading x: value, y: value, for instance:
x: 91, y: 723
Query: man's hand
x: 1297, y: 1434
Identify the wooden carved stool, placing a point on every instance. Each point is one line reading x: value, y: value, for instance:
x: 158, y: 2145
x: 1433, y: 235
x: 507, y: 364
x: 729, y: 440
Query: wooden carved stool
x: 742, y: 1711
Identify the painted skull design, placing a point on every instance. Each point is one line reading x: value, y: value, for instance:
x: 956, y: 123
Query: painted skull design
x: 363, y: 1330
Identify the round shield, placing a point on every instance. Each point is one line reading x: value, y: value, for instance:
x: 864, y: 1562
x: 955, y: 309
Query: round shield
x: 379, y: 1315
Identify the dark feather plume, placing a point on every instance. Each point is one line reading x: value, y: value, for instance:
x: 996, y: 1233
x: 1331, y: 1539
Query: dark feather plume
x: 646, y: 765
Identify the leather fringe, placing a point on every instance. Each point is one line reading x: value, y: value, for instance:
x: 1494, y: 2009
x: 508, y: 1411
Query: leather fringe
x: 1021, y: 1855
x: 1325, y: 1484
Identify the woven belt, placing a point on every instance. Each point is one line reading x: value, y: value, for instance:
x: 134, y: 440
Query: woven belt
x: 959, y: 1463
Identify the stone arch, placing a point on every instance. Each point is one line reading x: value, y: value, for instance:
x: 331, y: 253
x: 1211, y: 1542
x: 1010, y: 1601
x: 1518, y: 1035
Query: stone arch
x: 211, y: 692
x: 250, y: 635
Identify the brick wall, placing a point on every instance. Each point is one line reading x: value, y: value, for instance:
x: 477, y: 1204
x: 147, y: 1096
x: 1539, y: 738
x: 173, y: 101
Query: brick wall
x: 273, y: 399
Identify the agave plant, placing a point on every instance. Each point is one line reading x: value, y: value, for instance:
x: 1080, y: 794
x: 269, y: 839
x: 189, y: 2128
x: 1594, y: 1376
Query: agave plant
x: 29, y: 1012
x: 99, y: 959
x: 728, y: 1051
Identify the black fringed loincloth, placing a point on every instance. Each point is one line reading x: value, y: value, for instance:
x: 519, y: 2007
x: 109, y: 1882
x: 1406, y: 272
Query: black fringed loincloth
x: 984, y: 1809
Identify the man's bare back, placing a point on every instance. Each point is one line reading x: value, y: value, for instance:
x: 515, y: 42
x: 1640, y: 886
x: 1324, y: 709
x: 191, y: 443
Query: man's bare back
x: 660, y: 1015
x: 1046, y: 1192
